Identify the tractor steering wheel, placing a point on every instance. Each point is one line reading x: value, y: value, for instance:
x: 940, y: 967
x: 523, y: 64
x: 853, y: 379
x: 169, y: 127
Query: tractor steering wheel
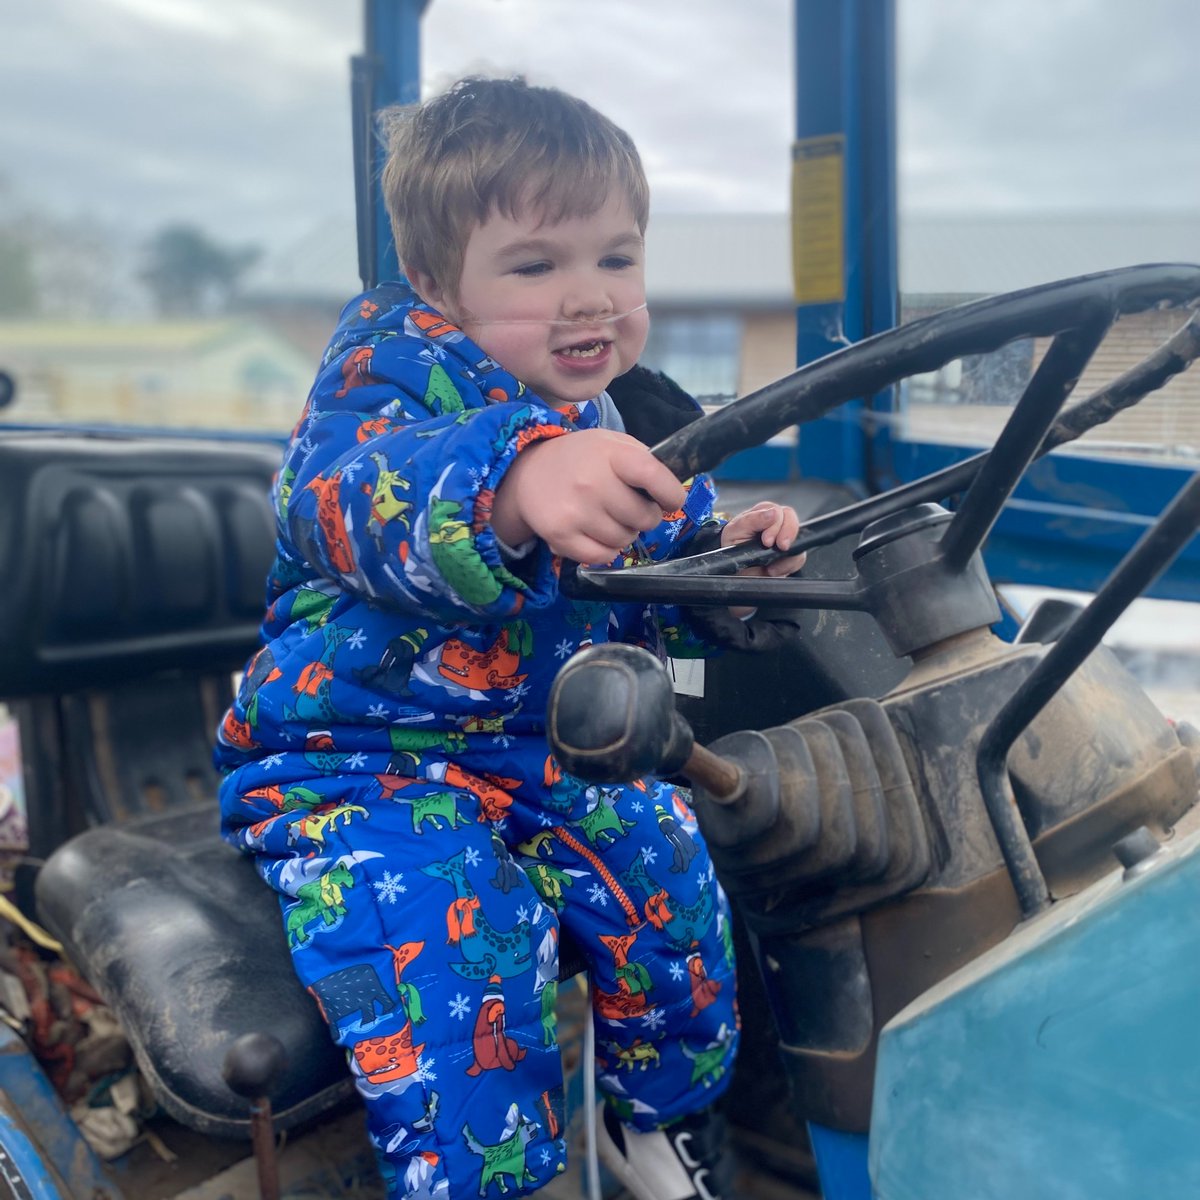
x: 1076, y: 313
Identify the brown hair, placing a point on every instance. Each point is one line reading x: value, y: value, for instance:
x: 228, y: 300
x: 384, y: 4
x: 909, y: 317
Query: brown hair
x: 498, y: 145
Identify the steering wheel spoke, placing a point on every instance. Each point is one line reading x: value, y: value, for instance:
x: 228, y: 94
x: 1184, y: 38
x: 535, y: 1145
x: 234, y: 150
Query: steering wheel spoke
x: 1075, y: 313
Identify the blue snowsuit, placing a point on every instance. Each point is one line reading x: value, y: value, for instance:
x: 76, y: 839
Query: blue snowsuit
x: 385, y: 761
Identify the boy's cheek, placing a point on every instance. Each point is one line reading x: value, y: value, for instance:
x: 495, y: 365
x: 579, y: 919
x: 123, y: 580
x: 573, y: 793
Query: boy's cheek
x: 636, y: 329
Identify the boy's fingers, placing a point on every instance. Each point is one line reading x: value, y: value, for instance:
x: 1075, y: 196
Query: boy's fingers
x: 643, y: 470
x: 596, y: 555
x: 609, y: 531
x: 786, y: 566
x: 584, y: 549
x: 789, y: 527
x: 762, y: 521
x: 634, y: 510
x: 776, y: 524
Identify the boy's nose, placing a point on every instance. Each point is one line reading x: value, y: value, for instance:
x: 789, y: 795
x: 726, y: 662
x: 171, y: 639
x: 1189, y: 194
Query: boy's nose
x: 587, y: 298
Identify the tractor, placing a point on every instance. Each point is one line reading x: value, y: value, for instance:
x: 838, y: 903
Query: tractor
x: 965, y: 868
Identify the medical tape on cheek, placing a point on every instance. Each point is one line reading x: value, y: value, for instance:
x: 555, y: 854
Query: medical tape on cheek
x: 591, y: 322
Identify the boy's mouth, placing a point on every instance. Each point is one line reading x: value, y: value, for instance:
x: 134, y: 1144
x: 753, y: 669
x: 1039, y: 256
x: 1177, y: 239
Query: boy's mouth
x: 591, y: 348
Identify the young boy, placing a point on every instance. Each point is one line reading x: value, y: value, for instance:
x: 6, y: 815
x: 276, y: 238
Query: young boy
x: 386, y: 759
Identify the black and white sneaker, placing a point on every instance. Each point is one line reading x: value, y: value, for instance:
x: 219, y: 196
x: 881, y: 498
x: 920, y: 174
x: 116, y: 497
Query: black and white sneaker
x: 688, y: 1160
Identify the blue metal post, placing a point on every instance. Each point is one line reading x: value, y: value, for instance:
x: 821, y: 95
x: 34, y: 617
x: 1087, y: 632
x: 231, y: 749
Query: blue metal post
x: 392, y: 44
x: 843, y: 209
x: 844, y: 266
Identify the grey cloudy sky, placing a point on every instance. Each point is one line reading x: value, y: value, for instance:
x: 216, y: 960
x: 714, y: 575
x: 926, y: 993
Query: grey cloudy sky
x: 234, y: 113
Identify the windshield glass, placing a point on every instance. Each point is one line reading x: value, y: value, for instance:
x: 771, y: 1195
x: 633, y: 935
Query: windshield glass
x: 177, y: 230
x: 1038, y: 142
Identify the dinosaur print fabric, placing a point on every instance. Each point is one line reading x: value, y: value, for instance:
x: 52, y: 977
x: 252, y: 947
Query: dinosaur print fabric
x: 385, y: 762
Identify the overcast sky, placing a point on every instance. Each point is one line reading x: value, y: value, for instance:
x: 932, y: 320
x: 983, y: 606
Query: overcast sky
x: 234, y: 113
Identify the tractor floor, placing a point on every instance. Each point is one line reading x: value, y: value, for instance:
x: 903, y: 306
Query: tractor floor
x: 319, y: 1167
x: 333, y: 1160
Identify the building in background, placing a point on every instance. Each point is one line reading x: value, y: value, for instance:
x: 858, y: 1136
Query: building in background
x: 723, y: 320
x: 948, y: 260
x: 205, y: 373
x: 722, y: 324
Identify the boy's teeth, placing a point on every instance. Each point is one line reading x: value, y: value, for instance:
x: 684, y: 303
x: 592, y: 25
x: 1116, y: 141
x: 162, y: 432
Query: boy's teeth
x: 584, y: 352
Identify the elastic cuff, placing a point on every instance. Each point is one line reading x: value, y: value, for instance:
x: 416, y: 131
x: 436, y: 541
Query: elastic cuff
x: 514, y: 553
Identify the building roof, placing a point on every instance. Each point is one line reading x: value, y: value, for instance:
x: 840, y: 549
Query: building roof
x: 744, y: 259
x: 960, y: 255
x: 734, y: 260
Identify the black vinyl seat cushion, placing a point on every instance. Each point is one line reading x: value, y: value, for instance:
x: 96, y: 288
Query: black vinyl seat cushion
x: 185, y: 943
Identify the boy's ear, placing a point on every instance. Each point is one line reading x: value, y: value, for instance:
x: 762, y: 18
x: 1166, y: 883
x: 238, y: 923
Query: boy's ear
x: 428, y: 289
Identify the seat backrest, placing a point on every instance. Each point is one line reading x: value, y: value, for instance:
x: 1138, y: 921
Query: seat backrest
x: 134, y: 571
x: 137, y: 571
x: 123, y: 558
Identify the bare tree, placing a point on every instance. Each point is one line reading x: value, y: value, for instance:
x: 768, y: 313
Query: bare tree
x: 18, y: 282
x: 188, y: 273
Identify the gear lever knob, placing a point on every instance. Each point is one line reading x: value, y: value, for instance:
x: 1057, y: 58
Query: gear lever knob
x: 611, y: 719
x: 611, y: 716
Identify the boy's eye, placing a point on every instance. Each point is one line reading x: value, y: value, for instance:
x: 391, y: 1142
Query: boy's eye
x: 532, y: 269
x: 616, y: 262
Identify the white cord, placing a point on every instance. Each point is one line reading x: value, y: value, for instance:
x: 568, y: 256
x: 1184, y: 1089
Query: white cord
x: 589, y: 1099
x: 611, y: 319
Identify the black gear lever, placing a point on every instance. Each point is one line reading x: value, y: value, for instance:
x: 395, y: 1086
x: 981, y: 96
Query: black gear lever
x: 797, y: 807
x: 611, y: 719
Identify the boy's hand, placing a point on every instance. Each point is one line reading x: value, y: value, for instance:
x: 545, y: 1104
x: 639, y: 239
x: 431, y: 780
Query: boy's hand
x: 582, y: 494
x: 772, y: 524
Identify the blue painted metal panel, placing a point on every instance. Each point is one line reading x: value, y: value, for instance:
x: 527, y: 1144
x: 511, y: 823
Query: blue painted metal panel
x: 1062, y: 1064
x: 21, y: 1166
x: 762, y: 462
x: 393, y: 40
x: 1072, y: 519
x: 841, y: 1163
x: 37, y: 1134
x: 845, y: 87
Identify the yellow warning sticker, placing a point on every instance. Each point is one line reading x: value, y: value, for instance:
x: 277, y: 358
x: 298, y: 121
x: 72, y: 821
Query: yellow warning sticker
x: 818, y: 276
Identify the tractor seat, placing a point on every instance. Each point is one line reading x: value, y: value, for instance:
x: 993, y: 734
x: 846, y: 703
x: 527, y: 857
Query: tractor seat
x: 134, y: 573
x: 185, y: 942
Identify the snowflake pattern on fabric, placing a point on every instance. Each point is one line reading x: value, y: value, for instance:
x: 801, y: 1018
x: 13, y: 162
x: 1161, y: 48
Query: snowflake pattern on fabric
x: 389, y: 889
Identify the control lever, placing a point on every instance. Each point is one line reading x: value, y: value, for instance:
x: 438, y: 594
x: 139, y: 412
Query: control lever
x: 612, y: 719
x: 822, y: 807
x: 252, y: 1065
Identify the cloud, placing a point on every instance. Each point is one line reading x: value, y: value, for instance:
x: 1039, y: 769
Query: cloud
x: 1020, y: 104
x: 147, y: 111
x: 704, y: 88
x: 236, y: 115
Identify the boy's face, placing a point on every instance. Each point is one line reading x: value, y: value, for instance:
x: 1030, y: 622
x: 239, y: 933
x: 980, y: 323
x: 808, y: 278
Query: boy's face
x: 561, y: 282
